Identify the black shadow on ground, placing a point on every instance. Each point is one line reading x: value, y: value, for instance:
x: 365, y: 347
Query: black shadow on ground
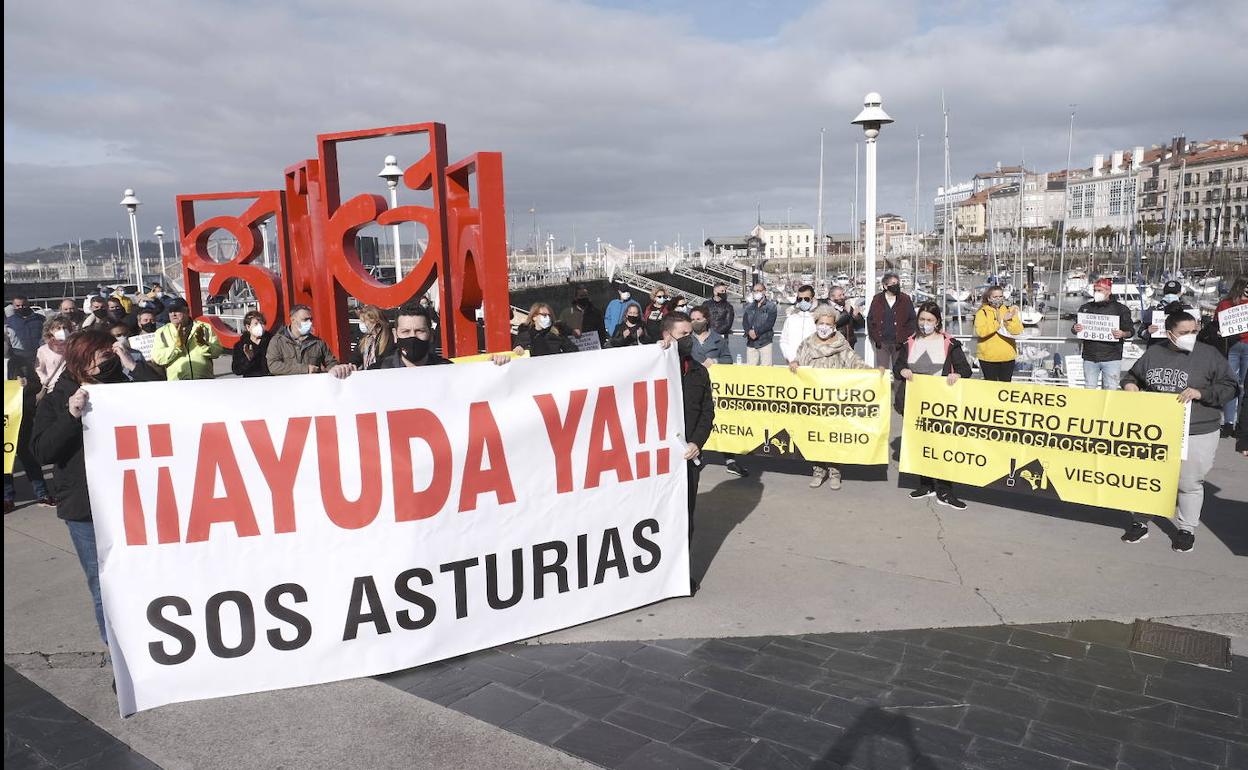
x: 1226, y: 519
x: 878, y: 723
x: 718, y: 512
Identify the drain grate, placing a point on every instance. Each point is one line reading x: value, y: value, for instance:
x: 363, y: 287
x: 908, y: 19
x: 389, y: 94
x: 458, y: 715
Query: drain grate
x: 1189, y: 645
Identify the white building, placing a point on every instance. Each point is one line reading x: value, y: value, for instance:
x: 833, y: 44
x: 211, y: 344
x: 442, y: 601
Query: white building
x: 1105, y: 197
x: 946, y: 202
x: 1041, y: 204
x: 783, y: 240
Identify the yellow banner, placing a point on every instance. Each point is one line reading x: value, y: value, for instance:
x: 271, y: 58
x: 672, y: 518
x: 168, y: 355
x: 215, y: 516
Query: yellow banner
x: 487, y: 357
x: 823, y: 415
x: 1097, y: 447
x: 12, y: 421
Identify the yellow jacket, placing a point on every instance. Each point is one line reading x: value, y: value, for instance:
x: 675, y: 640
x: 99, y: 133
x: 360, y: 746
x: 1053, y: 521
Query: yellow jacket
x: 991, y: 346
x: 191, y: 360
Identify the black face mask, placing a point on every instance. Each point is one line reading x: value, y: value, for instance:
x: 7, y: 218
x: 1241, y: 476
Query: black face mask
x: 414, y: 349
x: 111, y: 371
x: 684, y: 346
x: 719, y: 296
x: 631, y: 320
x: 895, y: 288
x: 26, y: 312
x: 149, y: 328
x: 582, y: 302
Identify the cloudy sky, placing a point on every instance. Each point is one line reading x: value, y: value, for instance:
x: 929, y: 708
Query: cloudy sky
x: 617, y: 119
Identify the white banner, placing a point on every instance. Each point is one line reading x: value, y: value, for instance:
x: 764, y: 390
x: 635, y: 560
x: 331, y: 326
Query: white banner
x: 587, y: 341
x: 1097, y: 327
x: 143, y: 343
x: 1234, y: 320
x: 1159, y: 320
x: 262, y: 533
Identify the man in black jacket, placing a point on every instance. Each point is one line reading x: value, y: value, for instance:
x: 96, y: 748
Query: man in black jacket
x: 695, y: 385
x: 1102, y: 360
x: 413, y: 341
x: 721, y: 315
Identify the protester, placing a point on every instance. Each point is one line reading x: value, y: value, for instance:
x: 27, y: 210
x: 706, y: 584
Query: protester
x: 824, y: 348
x: 614, y: 315
x: 24, y: 329
x: 538, y: 334
x: 252, y: 349
x: 127, y: 304
x: 652, y: 316
x: 50, y: 358
x: 98, y: 312
x: 799, y: 324
x: 116, y: 312
x: 996, y: 327
x: 632, y: 331
x: 695, y: 385
x: 1102, y: 361
x: 121, y: 333
x: 1200, y: 376
x: 758, y: 323
x: 184, y: 347
x: 890, y: 319
x: 70, y: 310
x: 153, y: 300
x: 930, y: 351
x: 681, y: 305
x: 847, y: 314
x: 582, y: 317
x: 413, y: 341
x: 721, y: 314
x: 145, y: 322
x: 711, y: 349
x: 22, y: 369
x: 294, y: 349
x: 377, y: 340
x: 430, y: 311
x: 91, y: 356
x: 1153, y: 320
x: 1236, y: 351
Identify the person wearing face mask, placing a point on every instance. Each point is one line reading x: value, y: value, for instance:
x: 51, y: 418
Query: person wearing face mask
x: 413, y: 341
x: 121, y: 333
x: 799, y: 324
x: 930, y: 351
x: 758, y: 322
x: 539, y: 335
x: 721, y: 314
x: 652, y: 316
x: 1236, y: 352
x: 825, y: 349
x: 631, y: 330
x: 23, y: 371
x: 1153, y: 320
x: 996, y: 326
x: 250, y: 357
x: 711, y: 349
x: 294, y: 349
x: 616, y: 308
x: 91, y: 357
x: 890, y: 319
x: 1102, y: 361
x: 24, y: 329
x: 98, y: 312
x: 1199, y: 375
x: 154, y: 300
x: 50, y: 358
x: 116, y: 312
x: 695, y: 384
x: 847, y: 314
x: 376, y: 342
x: 69, y: 309
x: 185, y: 348
x: 582, y: 317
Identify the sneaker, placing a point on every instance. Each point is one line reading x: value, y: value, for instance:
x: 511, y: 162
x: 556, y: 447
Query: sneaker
x: 47, y: 500
x: 1228, y: 431
x: 922, y: 492
x: 735, y: 468
x: 834, y: 481
x: 1136, y: 533
x: 1184, y: 542
x: 818, y: 476
x: 948, y: 499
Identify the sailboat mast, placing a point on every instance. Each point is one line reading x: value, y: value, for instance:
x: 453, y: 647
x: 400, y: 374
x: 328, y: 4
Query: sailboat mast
x: 957, y: 279
x: 1061, y: 270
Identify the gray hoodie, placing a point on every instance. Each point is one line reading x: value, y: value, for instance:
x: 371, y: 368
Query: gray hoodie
x: 1165, y: 369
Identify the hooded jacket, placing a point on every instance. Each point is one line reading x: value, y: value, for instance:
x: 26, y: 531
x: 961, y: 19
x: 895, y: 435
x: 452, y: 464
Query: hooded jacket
x: 1096, y: 350
x: 614, y: 316
x: 1167, y: 369
x: 192, y: 361
x: 833, y: 353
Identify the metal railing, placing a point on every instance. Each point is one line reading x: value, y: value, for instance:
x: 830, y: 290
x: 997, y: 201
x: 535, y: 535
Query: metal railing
x: 710, y: 280
x: 648, y: 285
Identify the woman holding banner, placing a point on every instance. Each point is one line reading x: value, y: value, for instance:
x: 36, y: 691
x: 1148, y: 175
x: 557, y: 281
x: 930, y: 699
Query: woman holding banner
x: 930, y: 351
x: 996, y: 326
x: 826, y: 349
x: 92, y: 356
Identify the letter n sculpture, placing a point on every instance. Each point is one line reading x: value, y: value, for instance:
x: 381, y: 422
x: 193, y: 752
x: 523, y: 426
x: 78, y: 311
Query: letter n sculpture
x: 315, y: 249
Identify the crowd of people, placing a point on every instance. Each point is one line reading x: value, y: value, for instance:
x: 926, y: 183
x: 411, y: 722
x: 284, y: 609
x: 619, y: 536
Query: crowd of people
x: 54, y: 356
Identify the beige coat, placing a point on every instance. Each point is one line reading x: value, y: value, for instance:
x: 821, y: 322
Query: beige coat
x: 832, y: 353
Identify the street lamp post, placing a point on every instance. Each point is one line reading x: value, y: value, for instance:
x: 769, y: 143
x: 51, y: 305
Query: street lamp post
x: 872, y: 119
x: 160, y: 241
x: 392, y: 174
x: 132, y: 207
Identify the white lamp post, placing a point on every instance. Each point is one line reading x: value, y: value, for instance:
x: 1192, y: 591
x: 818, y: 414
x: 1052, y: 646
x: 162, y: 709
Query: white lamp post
x: 264, y: 242
x: 872, y: 118
x: 132, y: 206
x: 392, y: 174
x: 160, y: 240
x: 630, y: 252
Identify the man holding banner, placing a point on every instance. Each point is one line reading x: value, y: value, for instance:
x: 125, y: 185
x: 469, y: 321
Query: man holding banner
x: 1102, y: 337
x: 1201, y: 378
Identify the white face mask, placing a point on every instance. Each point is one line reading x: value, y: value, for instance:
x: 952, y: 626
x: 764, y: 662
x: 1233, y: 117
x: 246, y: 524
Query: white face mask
x: 158, y: 294
x: 121, y: 338
x: 624, y: 295
x: 305, y: 328
x: 927, y: 328
x: 256, y: 330
x: 542, y: 321
x: 60, y: 335
x: 1100, y: 296
x: 824, y: 331
x: 758, y: 296
x: 660, y: 300
x: 1167, y: 299
x: 1186, y: 343
x: 804, y: 305
x: 363, y: 327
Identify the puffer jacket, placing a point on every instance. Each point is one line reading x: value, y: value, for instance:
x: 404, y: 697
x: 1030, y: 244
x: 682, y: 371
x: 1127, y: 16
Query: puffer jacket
x: 832, y: 353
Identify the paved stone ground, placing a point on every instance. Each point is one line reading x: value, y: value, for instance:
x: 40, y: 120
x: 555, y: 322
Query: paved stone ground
x: 1053, y: 696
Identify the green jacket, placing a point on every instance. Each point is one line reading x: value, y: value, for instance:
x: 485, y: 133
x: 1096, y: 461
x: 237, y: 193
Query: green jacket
x: 190, y: 361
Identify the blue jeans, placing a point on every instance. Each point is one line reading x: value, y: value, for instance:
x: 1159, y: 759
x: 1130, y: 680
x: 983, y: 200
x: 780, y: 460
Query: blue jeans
x: 1237, y: 357
x: 83, y: 535
x: 1102, y: 375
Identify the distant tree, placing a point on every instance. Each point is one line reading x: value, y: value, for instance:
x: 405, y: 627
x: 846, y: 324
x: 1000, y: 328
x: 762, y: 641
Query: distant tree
x: 1105, y: 235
